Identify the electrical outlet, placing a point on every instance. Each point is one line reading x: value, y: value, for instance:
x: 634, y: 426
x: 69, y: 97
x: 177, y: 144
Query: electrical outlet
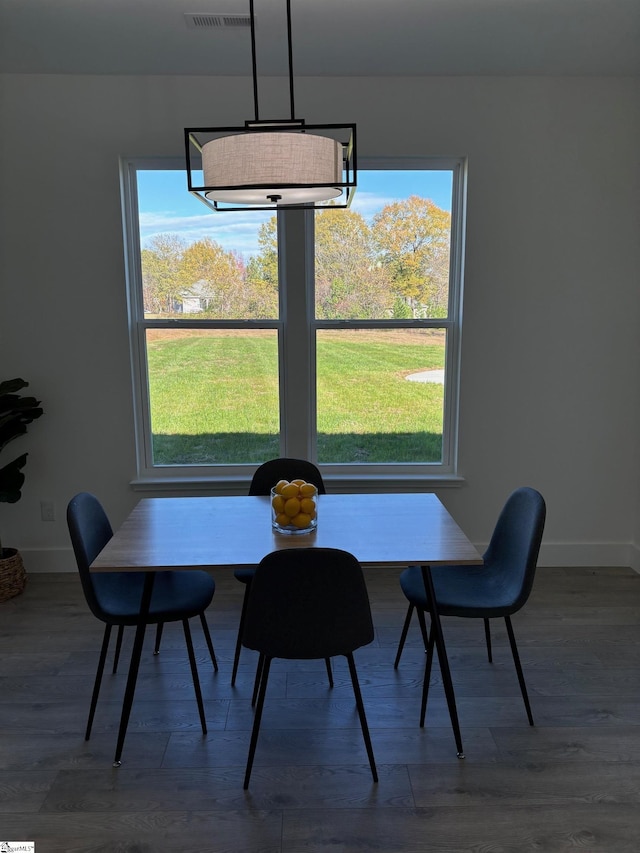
x: 47, y: 510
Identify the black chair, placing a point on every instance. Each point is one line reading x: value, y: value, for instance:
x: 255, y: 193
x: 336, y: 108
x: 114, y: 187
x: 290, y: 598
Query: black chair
x: 264, y: 479
x: 307, y: 604
x: 115, y: 597
x: 499, y: 588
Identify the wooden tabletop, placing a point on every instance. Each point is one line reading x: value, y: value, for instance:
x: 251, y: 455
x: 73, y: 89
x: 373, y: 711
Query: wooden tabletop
x: 206, y: 532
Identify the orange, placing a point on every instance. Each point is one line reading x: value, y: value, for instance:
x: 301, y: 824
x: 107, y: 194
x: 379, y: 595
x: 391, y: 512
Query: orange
x: 308, y: 506
x: 301, y: 520
x: 289, y: 491
x: 278, y: 504
x: 279, y: 486
x: 292, y: 507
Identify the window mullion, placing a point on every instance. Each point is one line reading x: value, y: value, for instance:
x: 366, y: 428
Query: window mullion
x: 297, y: 385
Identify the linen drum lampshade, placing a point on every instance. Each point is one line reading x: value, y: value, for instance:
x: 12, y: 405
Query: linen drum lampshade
x: 259, y: 163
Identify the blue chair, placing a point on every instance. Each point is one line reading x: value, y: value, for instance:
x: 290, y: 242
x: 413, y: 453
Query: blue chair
x: 499, y: 588
x: 264, y: 479
x: 307, y: 604
x: 114, y: 597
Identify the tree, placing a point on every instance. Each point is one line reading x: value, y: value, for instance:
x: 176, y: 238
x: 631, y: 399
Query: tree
x: 262, y: 273
x: 413, y: 238
x: 348, y: 280
x: 161, y: 282
x: 215, y: 275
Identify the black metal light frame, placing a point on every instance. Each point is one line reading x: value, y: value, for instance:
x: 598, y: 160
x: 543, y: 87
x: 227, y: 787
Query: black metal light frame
x: 196, y: 137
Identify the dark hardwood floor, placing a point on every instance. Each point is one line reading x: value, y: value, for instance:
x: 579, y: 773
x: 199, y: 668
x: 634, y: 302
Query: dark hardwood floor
x: 571, y: 783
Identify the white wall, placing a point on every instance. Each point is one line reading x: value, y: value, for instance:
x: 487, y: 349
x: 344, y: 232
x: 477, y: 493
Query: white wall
x: 551, y: 351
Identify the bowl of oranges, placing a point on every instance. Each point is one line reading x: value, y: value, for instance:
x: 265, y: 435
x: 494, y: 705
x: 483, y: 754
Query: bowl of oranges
x: 294, y: 507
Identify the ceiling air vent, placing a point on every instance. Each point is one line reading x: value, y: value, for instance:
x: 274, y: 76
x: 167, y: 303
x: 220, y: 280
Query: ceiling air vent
x: 209, y: 21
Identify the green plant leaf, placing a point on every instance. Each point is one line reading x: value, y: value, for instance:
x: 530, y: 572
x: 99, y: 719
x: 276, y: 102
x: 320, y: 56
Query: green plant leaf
x: 12, y: 479
x: 16, y: 412
x: 10, y: 386
x: 10, y: 428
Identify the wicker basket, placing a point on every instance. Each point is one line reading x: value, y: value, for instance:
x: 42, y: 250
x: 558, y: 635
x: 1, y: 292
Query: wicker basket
x: 12, y: 574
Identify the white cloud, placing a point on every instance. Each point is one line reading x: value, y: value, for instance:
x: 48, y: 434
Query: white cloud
x: 368, y: 203
x: 237, y: 231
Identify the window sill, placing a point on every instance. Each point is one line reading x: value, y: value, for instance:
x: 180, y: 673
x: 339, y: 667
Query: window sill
x: 335, y: 484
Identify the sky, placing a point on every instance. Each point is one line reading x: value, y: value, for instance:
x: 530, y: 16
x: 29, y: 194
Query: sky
x: 166, y: 206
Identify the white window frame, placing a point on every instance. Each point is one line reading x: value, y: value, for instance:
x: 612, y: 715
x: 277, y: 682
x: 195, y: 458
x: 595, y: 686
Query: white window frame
x: 297, y: 422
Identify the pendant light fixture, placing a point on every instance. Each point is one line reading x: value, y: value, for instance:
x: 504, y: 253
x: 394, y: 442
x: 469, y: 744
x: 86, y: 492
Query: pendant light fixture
x: 269, y: 164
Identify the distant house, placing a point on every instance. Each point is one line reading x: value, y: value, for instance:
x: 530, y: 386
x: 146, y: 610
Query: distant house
x: 199, y: 297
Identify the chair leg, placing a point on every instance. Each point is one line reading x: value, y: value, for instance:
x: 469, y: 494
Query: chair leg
x: 362, y: 715
x: 423, y: 628
x: 427, y: 678
x: 403, y: 635
x: 159, y: 629
x: 98, y: 680
x: 236, y: 656
x: 487, y: 637
x: 266, y: 665
x: 207, y: 636
x: 194, y: 674
x: 256, y: 681
x: 116, y: 656
x: 329, y: 672
x: 516, y: 660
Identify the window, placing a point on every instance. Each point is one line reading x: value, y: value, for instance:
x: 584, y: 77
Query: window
x: 330, y: 335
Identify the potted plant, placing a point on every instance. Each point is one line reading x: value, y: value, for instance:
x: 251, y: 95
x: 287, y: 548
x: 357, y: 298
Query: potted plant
x: 16, y: 412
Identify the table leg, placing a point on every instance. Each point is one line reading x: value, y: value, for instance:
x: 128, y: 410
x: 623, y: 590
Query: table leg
x: 436, y: 627
x: 136, y: 653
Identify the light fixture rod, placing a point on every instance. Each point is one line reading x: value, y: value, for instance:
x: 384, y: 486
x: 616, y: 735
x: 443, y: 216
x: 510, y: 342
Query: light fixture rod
x: 254, y: 66
x: 290, y: 59
x: 254, y: 63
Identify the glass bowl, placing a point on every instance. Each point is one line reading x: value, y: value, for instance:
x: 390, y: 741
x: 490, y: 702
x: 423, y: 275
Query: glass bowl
x: 294, y: 515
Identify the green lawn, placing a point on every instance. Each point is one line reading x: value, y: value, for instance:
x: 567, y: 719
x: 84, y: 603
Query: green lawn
x: 214, y: 398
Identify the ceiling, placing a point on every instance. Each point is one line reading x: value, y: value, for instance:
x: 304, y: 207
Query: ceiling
x: 330, y: 37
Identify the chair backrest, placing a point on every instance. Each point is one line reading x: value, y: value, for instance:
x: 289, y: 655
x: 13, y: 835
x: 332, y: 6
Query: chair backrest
x: 284, y: 468
x: 308, y: 603
x: 512, y: 555
x: 90, y: 530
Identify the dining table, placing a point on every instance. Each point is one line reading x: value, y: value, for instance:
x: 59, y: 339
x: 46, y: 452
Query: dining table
x: 382, y: 530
